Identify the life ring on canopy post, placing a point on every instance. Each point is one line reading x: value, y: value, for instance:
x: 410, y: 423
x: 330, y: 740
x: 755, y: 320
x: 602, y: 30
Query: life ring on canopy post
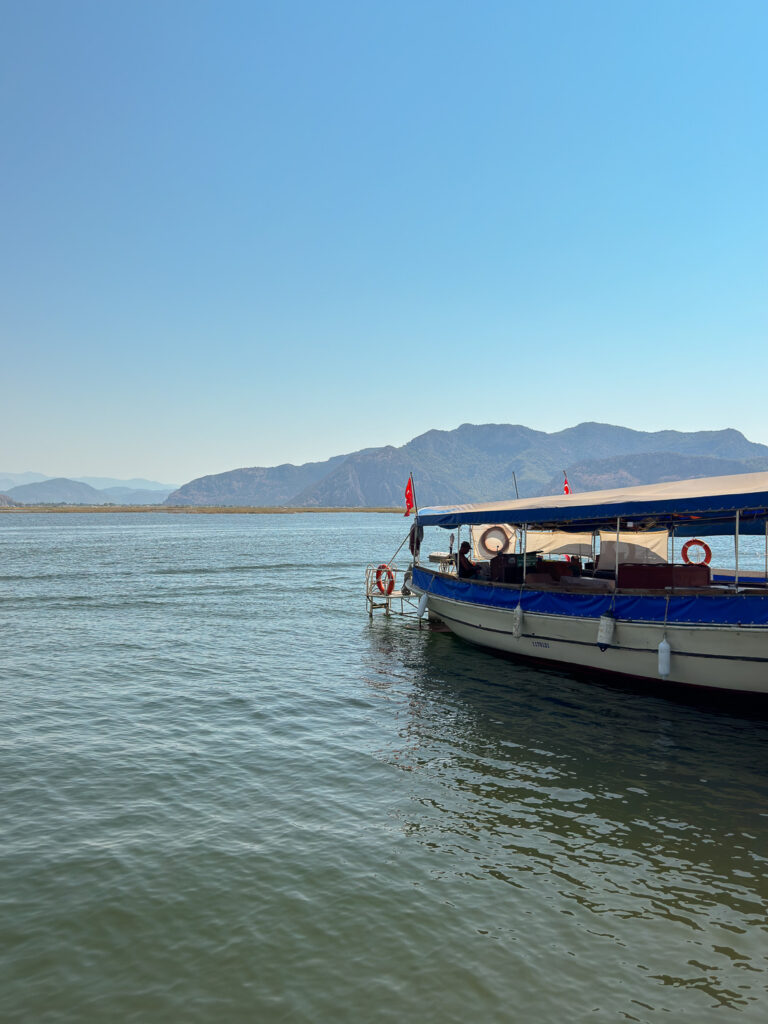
x: 385, y: 579
x: 696, y: 543
x: 493, y: 533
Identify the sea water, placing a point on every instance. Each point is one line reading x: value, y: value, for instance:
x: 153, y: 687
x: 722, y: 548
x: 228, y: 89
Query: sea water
x: 228, y: 795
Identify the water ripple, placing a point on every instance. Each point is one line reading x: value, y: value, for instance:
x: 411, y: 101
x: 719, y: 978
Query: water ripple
x: 227, y: 795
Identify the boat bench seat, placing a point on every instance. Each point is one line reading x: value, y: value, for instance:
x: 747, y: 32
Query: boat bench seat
x: 639, y: 576
x: 549, y: 572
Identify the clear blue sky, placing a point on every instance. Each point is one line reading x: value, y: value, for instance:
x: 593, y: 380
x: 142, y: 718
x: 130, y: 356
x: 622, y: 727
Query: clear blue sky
x: 243, y: 233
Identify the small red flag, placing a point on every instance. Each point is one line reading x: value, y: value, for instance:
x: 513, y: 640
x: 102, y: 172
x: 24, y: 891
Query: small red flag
x: 409, y: 502
x: 566, y: 485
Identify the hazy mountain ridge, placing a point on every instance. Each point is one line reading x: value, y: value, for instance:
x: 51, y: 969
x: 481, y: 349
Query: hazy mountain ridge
x: 65, y: 491
x: 99, y: 482
x: 105, y: 483
x: 477, y: 463
x: 8, y: 480
x: 59, y: 489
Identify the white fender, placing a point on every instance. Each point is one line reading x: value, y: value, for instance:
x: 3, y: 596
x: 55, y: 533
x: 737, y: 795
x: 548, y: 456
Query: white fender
x: 664, y: 657
x: 605, y: 628
x: 421, y: 607
x: 517, y: 622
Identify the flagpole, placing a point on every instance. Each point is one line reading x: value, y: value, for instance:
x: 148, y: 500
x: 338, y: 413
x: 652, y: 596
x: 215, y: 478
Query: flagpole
x: 410, y: 533
x: 415, y: 526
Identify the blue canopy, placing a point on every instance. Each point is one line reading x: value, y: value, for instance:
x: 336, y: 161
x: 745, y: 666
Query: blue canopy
x: 706, y: 505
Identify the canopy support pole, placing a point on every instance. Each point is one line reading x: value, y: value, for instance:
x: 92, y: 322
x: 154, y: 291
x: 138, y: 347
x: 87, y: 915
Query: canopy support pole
x: 416, y: 521
x: 766, y: 549
x: 736, y: 546
x: 616, y: 559
x: 525, y: 549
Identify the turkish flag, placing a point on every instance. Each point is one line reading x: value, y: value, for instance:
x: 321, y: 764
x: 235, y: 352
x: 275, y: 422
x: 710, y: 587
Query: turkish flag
x: 566, y: 485
x: 409, y: 502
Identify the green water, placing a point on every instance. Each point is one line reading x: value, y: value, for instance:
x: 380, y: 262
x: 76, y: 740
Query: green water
x: 228, y: 796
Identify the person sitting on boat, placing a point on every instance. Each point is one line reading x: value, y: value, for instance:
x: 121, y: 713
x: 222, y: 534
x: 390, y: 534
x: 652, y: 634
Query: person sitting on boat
x: 466, y: 568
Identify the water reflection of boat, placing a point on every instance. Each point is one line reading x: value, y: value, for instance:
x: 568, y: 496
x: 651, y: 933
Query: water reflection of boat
x: 620, y: 830
x: 626, y: 607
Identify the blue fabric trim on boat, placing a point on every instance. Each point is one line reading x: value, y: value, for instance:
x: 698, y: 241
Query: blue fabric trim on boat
x: 694, y: 609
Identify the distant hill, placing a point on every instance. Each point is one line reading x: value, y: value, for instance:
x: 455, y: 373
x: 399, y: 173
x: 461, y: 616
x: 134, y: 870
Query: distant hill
x: 476, y: 463
x: 63, y: 491
x: 104, y: 483
x: 6, y: 502
x: 60, y: 490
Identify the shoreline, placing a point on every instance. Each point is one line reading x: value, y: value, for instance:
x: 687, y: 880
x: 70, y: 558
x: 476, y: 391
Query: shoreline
x: 186, y: 509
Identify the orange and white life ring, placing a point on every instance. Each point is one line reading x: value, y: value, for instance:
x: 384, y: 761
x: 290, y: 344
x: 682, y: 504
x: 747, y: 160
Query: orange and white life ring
x: 385, y: 579
x: 493, y: 541
x: 695, y: 543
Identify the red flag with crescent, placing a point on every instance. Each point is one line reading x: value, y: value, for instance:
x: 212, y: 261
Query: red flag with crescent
x: 566, y: 485
x: 409, y: 502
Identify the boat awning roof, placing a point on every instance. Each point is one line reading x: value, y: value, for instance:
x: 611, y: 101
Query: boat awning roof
x: 698, y: 504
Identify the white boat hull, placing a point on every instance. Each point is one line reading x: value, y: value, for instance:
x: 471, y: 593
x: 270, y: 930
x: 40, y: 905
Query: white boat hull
x: 724, y: 657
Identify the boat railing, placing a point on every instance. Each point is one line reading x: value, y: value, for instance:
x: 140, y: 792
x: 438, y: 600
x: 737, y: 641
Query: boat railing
x: 386, y: 588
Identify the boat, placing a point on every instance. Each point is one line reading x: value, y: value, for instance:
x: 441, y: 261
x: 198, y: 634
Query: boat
x: 606, y: 581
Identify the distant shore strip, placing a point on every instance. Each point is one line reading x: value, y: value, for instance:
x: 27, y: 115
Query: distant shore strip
x: 188, y: 509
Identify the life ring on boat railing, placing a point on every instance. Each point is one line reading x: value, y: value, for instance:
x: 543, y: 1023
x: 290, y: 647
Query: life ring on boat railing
x: 497, y: 534
x: 385, y: 579
x: 697, y: 544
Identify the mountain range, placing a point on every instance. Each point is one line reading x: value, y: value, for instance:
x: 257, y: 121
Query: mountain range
x: 483, y: 463
x: 471, y: 463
